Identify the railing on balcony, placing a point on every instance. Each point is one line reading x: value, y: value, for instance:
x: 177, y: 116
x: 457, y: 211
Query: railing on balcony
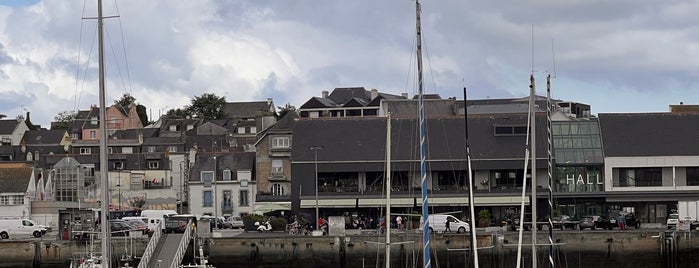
x: 269, y: 197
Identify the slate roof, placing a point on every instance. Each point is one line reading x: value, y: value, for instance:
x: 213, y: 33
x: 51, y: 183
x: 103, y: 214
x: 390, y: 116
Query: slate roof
x: 44, y: 137
x: 14, y: 177
x: 348, y: 97
x: 353, y: 139
x: 8, y: 126
x: 409, y: 108
x: 231, y: 161
x: 245, y: 109
x: 649, y: 134
x: 133, y: 133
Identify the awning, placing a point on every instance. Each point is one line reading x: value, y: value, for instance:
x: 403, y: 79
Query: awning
x: 269, y: 207
x: 330, y: 203
x: 409, y: 202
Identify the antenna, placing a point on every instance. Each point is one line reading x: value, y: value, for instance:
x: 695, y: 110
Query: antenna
x: 553, y: 54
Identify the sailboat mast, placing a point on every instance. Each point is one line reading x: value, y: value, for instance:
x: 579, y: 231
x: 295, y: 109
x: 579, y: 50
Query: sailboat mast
x: 388, y: 191
x: 471, y: 198
x: 532, y: 104
x: 549, y: 151
x: 106, y: 247
x: 423, y: 166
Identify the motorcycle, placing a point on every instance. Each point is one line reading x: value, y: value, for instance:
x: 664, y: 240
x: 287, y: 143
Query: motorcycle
x: 265, y: 227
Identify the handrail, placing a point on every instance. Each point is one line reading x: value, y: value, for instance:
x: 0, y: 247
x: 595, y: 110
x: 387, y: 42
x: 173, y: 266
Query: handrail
x: 151, y: 246
x: 183, y: 246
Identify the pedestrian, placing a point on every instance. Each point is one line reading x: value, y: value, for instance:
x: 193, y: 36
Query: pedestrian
x: 447, y: 229
x: 399, y: 221
x: 621, y: 220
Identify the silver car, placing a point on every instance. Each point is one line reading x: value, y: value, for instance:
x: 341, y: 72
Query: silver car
x: 233, y: 222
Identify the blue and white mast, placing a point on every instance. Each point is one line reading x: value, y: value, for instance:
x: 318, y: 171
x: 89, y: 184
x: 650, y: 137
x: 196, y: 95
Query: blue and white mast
x: 426, y: 263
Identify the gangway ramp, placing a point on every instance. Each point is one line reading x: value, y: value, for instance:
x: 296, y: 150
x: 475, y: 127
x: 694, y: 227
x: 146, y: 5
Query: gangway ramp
x: 166, y: 250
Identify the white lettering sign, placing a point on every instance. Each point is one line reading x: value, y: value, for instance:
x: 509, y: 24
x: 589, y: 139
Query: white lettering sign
x: 591, y: 180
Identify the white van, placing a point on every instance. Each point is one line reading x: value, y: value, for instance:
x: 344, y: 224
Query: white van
x: 20, y: 228
x: 438, y: 223
x: 156, y: 217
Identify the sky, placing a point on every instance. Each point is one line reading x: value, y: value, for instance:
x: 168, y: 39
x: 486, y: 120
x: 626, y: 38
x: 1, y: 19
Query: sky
x: 617, y: 56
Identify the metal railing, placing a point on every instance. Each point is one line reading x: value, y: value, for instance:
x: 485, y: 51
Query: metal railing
x: 151, y: 246
x: 186, y: 238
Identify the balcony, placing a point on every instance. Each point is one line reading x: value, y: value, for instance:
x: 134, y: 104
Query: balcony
x: 268, y: 197
x: 277, y: 175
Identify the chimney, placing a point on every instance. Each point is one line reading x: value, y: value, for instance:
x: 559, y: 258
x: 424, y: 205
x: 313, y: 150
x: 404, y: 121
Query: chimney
x: 269, y: 101
x: 324, y: 94
x: 374, y: 93
x: 404, y: 94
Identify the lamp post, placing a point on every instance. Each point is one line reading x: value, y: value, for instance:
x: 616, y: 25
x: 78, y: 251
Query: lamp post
x: 180, y: 206
x: 119, y: 186
x: 315, y: 164
x: 215, y: 194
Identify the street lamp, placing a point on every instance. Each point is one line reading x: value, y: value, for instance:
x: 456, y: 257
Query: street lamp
x: 119, y: 186
x: 315, y: 163
x: 181, y: 208
x: 215, y: 194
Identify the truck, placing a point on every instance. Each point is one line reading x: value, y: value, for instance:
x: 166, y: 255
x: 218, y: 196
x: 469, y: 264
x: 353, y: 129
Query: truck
x: 688, y: 212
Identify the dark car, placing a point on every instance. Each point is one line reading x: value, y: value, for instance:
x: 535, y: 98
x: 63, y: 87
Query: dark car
x: 593, y: 222
x: 629, y: 218
x: 564, y: 222
x: 178, y: 223
x: 120, y: 227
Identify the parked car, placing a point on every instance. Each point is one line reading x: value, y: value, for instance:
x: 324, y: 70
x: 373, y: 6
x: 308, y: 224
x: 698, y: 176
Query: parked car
x: 527, y: 222
x: 233, y: 223
x: 564, y: 222
x: 630, y: 219
x: 138, y: 223
x: 120, y: 227
x: 672, y: 220
x: 178, y: 223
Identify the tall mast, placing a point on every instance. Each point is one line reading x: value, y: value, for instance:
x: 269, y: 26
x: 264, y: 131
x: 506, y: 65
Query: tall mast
x: 388, y: 191
x: 106, y: 246
x: 471, y: 199
x: 549, y: 151
x: 423, y: 166
x: 532, y: 115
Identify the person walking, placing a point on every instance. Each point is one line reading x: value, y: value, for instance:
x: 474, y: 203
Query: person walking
x: 621, y: 220
x: 447, y: 229
x: 399, y: 222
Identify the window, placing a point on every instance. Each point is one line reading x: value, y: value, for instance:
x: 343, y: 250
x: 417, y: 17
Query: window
x: 110, y: 150
x: 173, y: 128
x: 127, y: 150
x: 190, y: 127
x: 227, y: 200
x: 277, y: 167
x: 640, y: 177
x: 118, y: 165
x: 18, y: 200
x: 89, y: 170
x: 207, y: 199
x: 151, y: 149
x: 207, y: 177
x: 112, y: 119
x: 93, y: 134
x: 227, y: 175
x: 85, y: 151
x: 277, y: 189
x: 6, y: 140
x: 93, y: 120
x: 172, y: 148
x: 75, y: 136
x: 693, y: 176
x: 510, y: 130
x: 5, y: 200
x: 243, y: 198
x: 280, y: 142
x: 153, y: 164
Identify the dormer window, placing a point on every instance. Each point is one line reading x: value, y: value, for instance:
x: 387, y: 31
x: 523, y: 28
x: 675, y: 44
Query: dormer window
x: 227, y: 175
x: 190, y: 127
x: 85, y: 151
x: 280, y: 142
x: 119, y: 165
x: 153, y: 164
x: 93, y: 120
x: 173, y: 128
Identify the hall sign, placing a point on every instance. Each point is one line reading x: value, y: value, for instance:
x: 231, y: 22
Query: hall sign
x: 589, y: 179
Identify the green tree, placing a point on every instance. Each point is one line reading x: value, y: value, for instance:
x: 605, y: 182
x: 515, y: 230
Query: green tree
x: 207, y: 106
x: 127, y: 100
x: 285, y: 110
x: 178, y: 113
x: 62, y: 119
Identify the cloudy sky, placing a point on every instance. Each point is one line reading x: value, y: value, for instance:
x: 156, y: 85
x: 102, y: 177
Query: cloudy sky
x: 618, y: 56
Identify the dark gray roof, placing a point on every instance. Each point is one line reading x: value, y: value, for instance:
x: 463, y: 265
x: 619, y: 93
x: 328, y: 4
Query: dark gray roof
x: 44, y: 137
x: 14, y: 177
x: 287, y: 122
x: 245, y: 109
x: 133, y: 133
x: 409, y: 108
x: 206, y: 142
x: 649, y: 134
x: 352, y: 139
x: 162, y: 141
x: 225, y: 161
x: 7, y: 126
x: 343, y: 95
